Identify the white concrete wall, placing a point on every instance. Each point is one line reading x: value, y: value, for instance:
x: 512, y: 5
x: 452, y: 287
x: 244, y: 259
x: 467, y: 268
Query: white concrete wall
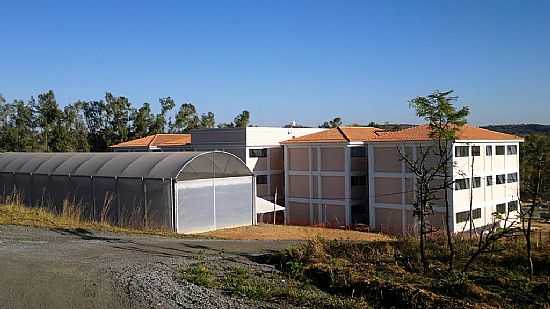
x: 266, y: 136
x: 485, y: 197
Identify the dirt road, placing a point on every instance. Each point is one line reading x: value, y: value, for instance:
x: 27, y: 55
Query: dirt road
x: 60, y: 268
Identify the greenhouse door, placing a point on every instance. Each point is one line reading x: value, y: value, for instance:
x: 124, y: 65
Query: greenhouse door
x: 209, y: 204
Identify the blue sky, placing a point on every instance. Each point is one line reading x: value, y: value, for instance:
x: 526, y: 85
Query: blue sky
x: 285, y: 60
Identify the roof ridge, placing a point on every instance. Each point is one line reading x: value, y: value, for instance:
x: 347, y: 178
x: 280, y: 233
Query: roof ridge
x: 152, y: 140
x: 343, y: 133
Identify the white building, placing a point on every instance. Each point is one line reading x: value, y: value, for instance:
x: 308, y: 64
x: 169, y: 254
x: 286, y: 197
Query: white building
x: 258, y: 147
x: 341, y: 176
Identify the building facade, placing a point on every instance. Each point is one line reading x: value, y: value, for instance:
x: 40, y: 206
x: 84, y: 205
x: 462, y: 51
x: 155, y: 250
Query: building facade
x: 326, y: 178
x: 258, y: 147
x: 346, y: 176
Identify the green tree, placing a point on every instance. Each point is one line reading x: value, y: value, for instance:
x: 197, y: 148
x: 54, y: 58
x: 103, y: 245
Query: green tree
x: 444, y: 120
x: 336, y: 122
x: 208, y: 120
x: 74, y: 130
x: 24, y: 125
x: 186, y: 119
x: 95, y: 115
x: 160, y: 124
x: 118, y: 112
x: 49, y: 115
x: 142, y: 120
x: 242, y: 120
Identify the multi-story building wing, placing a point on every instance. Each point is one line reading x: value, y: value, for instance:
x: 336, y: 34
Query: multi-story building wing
x: 350, y: 175
x: 326, y: 177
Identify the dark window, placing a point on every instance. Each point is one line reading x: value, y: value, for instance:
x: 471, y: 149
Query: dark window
x: 512, y: 206
x: 476, y: 213
x: 489, y: 150
x: 500, y: 150
x: 513, y: 177
x: 501, y: 208
x: 462, y: 151
x: 476, y: 151
x: 464, y: 215
x: 512, y: 149
x: 261, y: 179
x: 462, y: 184
x: 489, y: 181
x: 476, y: 182
x: 257, y: 153
x: 357, y: 152
x: 501, y: 179
x: 358, y: 180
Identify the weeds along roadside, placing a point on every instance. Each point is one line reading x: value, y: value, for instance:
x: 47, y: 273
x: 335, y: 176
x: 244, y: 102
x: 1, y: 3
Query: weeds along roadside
x: 386, y: 274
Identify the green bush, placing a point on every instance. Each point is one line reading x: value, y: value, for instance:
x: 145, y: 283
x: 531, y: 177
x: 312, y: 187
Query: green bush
x: 198, y: 274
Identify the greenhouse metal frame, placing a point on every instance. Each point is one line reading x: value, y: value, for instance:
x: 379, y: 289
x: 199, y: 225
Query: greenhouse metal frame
x: 185, y: 192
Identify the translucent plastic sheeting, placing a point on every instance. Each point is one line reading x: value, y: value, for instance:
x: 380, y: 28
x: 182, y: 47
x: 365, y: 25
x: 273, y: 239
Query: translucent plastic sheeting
x: 159, y: 203
x: 130, y: 199
x: 214, y: 165
x: 183, y: 165
x: 196, y: 211
x: 129, y: 189
x: 209, y: 204
x: 82, y: 195
x: 104, y: 203
x: 233, y: 202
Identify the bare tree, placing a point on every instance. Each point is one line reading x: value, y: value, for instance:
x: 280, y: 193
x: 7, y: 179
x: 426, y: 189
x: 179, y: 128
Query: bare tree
x: 444, y: 121
x: 490, y: 235
x: 536, y: 153
x: 425, y: 191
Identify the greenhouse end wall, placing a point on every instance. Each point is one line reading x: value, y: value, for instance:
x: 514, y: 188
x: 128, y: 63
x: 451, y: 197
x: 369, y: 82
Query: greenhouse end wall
x: 210, y: 204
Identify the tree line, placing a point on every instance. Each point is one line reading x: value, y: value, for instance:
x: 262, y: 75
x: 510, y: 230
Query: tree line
x: 42, y: 125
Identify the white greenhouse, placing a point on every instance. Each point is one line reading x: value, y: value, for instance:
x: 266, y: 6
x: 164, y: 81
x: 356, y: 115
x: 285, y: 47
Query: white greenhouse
x: 185, y: 192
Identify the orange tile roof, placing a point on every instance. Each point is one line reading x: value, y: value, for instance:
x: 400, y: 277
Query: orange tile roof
x: 466, y: 132
x: 339, y: 134
x: 418, y: 133
x: 157, y: 140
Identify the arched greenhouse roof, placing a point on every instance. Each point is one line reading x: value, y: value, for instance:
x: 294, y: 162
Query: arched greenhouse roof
x: 158, y: 165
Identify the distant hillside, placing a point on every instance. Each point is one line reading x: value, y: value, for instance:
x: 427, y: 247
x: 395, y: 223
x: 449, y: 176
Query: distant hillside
x: 520, y: 129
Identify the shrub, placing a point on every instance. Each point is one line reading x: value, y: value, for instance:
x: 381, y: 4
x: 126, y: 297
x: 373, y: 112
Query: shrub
x: 198, y: 274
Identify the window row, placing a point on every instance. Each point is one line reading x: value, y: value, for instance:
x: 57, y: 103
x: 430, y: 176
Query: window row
x: 475, y: 151
x: 464, y: 216
x: 462, y: 184
x: 512, y: 206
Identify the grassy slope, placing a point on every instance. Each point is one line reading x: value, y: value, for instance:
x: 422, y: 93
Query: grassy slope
x: 15, y: 214
x: 387, y: 274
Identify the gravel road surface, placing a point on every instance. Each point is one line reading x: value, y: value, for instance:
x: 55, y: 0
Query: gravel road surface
x: 72, y: 268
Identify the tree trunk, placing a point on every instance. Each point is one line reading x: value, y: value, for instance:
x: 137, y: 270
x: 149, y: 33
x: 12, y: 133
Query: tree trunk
x: 530, y: 220
x: 471, y: 196
x: 528, y: 243
x: 447, y: 223
x: 422, y: 209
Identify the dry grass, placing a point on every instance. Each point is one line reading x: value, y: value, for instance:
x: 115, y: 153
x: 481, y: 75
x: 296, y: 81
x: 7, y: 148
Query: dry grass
x: 287, y: 232
x: 69, y: 218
